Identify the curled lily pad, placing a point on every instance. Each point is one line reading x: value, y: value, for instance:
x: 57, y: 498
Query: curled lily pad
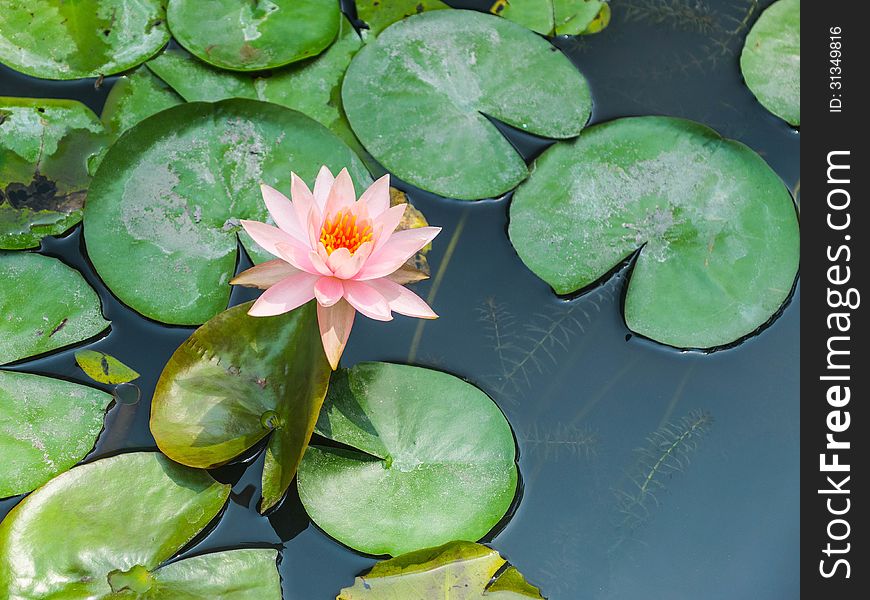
x: 134, y: 98
x: 313, y: 86
x: 237, y: 380
x: 454, y: 571
x: 251, y: 35
x: 132, y: 512
x: 46, y: 426
x: 418, y: 98
x: 771, y: 60
x: 714, y: 228
x: 162, y: 217
x: 44, y: 305
x: 556, y: 17
x: 431, y: 459
x: 58, y: 39
x: 104, y: 368
x: 44, y: 150
x: 380, y: 14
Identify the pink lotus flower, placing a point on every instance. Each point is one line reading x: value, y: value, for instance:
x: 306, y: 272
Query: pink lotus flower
x: 344, y: 252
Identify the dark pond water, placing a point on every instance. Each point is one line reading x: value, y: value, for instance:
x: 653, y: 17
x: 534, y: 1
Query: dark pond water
x: 581, y: 393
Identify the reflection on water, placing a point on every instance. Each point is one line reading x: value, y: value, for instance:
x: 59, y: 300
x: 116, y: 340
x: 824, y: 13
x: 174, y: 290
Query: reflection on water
x: 619, y: 501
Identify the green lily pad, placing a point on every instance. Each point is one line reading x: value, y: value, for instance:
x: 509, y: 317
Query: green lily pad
x: 58, y: 39
x: 104, y: 368
x: 105, y: 530
x: 251, y: 35
x: 556, y: 17
x: 46, y: 426
x: 236, y: 380
x: 313, y: 86
x: 380, y: 14
x: 162, y: 218
x: 454, y: 571
x: 771, y: 60
x: 134, y: 98
x: 714, y: 227
x: 45, y: 146
x: 432, y: 459
x: 44, y: 305
x: 416, y: 98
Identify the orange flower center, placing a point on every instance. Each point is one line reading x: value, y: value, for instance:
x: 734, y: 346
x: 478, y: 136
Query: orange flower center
x: 344, y: 231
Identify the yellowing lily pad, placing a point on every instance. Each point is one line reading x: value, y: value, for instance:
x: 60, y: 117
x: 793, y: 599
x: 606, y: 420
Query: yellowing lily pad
x: 237, y: 380
x: 122, y: 518
x: 431, y: 459
x: 251, y: 35
x: 556, y: 17
x: 380, y: 14
x: 313, y: 86
x: 714, y: 228
x: 771, y: 60
x: 44, y: 305
x: 45, y: 146
x: 46, y: 426
x: 59, y: 39
x: 454, y: 571
x: 162, y: 219
x: 417, y: 97
x: 104, y: 368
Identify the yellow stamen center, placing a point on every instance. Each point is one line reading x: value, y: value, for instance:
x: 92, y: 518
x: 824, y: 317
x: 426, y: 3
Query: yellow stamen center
x: 344, y: 231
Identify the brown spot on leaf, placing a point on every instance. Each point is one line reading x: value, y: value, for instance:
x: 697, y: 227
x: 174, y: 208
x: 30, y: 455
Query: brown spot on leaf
x: 60, y: 326
x: 41, y: 194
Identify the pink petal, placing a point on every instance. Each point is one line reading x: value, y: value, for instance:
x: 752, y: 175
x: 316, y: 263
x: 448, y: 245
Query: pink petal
x: 335, y: 323
x: 402, y: 300
x: 303, y: 200
x: 377, y: 197
x: 282, y: 211
x: 289, y: 293
x: 328, y: 291
x: 401, y: 246
x: 338, y: 257
x: 367, y: 300
x: 319, y: 264
x: 265, y: 274
x: 322, y: 185
x: 386, y: 224
x: 298, y: 257
x: 349, y: 268
x: 268, y: 236
x: 342, y: 194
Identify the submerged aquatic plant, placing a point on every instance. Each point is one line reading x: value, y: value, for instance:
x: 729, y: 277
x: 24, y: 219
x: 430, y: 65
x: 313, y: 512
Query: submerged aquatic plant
x: 667, y: 451
x: 344, y: 252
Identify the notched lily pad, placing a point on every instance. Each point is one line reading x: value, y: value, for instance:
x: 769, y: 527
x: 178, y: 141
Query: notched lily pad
x: 237, y: 380
x: 58, y: 39
x: 556, y: 17
x: 162, y: 217
x: 46, y: 426
x: 432, y: 459
x: 104, y: 368
x: 132, y: 512
x: 44, y: 305
x: 714, y: 228
x: 134, y: 98
x: 251, y: 35
x: 454, y: 571
x: 312, y: 86
x: 417, y: 97
x: 771, y: 60
x: 44, y: 150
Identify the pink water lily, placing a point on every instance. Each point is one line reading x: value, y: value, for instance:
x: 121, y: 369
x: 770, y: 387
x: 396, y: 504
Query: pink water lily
x: 343, y: 252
